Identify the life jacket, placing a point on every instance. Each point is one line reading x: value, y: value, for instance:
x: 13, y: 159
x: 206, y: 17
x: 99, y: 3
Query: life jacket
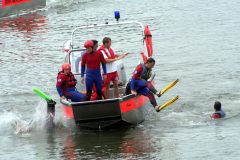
x: 69, y: 80
x: 146, y: 73
x: 111, y: 56
x: 218, y: 114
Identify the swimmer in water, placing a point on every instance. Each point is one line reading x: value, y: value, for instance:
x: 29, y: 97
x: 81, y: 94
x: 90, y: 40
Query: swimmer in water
x: 219, y: 113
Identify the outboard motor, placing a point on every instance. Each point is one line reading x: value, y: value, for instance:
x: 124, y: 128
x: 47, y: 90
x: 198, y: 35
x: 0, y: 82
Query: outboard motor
x: 50, y: 114
x: 50, y: 107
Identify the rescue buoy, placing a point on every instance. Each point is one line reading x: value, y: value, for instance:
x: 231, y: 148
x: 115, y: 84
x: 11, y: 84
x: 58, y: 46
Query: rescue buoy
x: 148, y: 40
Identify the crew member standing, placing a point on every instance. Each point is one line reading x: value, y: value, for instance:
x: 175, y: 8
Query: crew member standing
x: 111, y: 58
x: 91, y: 61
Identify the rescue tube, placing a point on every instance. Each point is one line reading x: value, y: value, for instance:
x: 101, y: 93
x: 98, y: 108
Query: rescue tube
x: 144, y: 57
x: 148, y: 40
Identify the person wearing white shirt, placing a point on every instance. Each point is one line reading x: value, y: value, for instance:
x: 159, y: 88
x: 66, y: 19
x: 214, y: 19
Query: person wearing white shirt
x: 111, y: 58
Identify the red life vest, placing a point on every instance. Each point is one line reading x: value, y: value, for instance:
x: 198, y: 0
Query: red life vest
x: 111, y: 56
x: 67, y: 81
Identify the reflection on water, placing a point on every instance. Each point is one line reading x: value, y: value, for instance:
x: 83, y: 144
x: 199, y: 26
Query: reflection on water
x: 124, y: 143
x: 26, y: 23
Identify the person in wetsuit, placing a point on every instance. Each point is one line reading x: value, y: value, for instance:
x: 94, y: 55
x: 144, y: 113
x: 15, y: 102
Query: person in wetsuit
x: 140, y: 85
x: 66, y: 85
x: 219, y: 113
x: 90, y: 64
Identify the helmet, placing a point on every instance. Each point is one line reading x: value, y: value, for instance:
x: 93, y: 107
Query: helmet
x: 66, y: 66
x: 88, y: 43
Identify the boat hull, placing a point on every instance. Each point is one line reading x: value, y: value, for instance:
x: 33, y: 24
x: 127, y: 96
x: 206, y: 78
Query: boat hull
x: 112, y: 113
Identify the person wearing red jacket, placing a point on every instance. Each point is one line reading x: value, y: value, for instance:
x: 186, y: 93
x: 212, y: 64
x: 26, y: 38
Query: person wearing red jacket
x: 91, y: 61
x: 66, y: 85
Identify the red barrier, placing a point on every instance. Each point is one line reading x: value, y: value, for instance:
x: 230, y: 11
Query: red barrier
x: 6, y: 3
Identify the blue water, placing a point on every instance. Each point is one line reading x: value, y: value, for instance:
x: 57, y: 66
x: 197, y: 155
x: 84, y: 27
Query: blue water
x: 197, y: 42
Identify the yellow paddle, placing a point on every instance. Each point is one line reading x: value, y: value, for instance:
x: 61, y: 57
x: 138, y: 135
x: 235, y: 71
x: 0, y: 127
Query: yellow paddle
x: 169, y: 86
x: 168, y: 103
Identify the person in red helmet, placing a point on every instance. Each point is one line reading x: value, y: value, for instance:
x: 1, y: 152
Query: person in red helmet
x: 111, y: 57
x: 66, y: 85
x: 91, y: 61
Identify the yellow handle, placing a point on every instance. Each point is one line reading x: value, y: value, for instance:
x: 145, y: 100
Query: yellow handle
x: 168, y: 103
x: 169, y: 86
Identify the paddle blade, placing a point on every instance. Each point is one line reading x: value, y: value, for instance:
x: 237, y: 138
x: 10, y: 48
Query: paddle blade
x: 168, y: 103
x: 169, y: 86
x: 41, y: 94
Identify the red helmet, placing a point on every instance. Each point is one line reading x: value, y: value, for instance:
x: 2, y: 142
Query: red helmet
x: 66, y: 66
x: 88, y: 43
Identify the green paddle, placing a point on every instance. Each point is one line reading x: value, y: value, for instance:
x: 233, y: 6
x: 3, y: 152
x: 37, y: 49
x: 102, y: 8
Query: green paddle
x: 41, y: 94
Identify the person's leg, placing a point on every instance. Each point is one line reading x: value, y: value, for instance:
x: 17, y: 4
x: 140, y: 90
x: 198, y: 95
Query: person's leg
x: 106, y: 85
x: 116, y: 92
x: 142, y: 84
x: 89, y: 86
x: 76, y: 96
x: 146, y: 92
x: 152, y: 100
x: 138, y: 84
x: 98, y: 84
x: 128, y: 88
x: 115, y: 79
x: 107, y: 90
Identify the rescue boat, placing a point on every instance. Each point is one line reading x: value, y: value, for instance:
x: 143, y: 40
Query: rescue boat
x: 107, y: 113
x: 9, y: 7
x: 113, y: 112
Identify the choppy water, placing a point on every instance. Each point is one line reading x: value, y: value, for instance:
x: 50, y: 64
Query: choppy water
x: 197, y: 42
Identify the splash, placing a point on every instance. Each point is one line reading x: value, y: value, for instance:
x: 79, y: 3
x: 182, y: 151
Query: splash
x: 12, y: 121
x: 9, y: 120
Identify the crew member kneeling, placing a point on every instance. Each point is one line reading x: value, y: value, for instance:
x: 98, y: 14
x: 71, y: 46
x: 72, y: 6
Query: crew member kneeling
x: 139, y: 84
x: 66, y: 85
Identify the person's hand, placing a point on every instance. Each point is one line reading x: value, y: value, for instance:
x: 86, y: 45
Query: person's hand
x: 104, y: 77
x: 134, y: 92
x: 62, y: 97
x: 82, y: 80
x: 125, y: 54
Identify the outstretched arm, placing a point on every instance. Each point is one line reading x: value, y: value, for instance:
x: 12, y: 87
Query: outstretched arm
x: 118, y: 57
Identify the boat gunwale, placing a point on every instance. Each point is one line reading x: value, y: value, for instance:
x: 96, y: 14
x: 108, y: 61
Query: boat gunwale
x: 126, y: 97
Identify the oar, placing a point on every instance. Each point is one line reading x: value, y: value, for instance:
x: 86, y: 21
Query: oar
x: 169, y: 86
x: 41, y: 94
x: 168, y: 103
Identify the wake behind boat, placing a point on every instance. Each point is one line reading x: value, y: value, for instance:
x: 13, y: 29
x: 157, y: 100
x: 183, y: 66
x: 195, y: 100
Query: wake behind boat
x: 10, y: 7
